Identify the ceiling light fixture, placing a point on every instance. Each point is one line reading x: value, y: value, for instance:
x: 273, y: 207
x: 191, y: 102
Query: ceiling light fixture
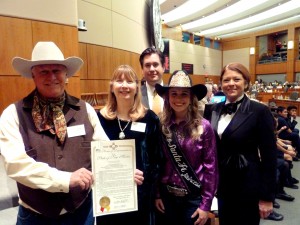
x: 274, y: 12
x: 186, y: 9
x: 235, y: 9
x: 264, y: 26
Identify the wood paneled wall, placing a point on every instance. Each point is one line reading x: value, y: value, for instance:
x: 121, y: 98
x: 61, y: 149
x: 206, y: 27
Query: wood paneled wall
x: 236, y: 44
x: 297, y: 66
x: 18, y: 37
x: 100, y: 62
x: 271, y: 68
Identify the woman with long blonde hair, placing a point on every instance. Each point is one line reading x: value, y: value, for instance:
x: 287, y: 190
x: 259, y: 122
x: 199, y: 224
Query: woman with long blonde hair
x: 124, y: 117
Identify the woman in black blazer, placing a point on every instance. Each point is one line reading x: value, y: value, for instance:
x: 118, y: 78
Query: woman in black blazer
x: 246, y: 147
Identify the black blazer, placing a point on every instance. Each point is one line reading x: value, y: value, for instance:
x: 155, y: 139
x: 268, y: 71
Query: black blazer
x: 250, y: 134
x: 291, y: 124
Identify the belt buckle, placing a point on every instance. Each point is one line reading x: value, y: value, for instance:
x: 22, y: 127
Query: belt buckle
x: 179, y: 192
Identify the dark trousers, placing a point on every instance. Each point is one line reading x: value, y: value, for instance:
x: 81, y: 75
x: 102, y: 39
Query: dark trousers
x: 160, y: 218
x: 82, y: 216
x: 178, y: 210
x: 284, y: 174
x: 293, y: 137
x: 236, y: 211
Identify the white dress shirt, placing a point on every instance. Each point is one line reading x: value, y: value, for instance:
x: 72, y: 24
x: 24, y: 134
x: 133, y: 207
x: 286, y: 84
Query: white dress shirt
x: 24, y: 169
x: 226, y: 118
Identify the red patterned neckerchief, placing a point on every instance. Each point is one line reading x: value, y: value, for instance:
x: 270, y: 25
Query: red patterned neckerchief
x: 48, y: 115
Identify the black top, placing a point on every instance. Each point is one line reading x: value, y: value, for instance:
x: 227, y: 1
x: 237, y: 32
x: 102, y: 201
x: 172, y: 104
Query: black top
x: 148, y: 159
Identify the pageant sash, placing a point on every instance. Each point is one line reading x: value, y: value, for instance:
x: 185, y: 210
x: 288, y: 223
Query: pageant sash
x: 182, y: 165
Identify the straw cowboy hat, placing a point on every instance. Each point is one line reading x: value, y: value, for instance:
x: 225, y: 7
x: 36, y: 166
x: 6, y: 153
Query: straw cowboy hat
x: 181, y: 79
x: 46, y: 53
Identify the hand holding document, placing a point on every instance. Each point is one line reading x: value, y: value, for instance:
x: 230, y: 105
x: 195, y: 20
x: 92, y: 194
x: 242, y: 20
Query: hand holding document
x: 113, y: 166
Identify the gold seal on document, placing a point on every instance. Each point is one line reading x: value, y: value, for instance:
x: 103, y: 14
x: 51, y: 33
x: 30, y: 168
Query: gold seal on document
x: 104, y: 203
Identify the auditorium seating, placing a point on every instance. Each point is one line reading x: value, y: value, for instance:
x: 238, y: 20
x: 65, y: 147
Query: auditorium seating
x: 97, y: 100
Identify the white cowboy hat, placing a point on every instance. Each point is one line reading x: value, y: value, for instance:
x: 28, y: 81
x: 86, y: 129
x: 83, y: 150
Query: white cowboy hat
x: 46, y: 53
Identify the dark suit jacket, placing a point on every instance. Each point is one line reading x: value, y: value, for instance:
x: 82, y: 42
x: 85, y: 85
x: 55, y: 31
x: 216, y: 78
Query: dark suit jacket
x: 291, y: 124
x: 250, y: 134
x: 145, y: 100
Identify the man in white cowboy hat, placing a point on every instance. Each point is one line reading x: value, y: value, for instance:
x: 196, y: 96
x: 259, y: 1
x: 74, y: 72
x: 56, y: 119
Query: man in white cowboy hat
x: 45, y: 141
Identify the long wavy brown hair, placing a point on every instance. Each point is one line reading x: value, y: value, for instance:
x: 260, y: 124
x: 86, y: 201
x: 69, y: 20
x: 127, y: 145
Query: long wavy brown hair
x: 110, y: 109
x: 192, y: 128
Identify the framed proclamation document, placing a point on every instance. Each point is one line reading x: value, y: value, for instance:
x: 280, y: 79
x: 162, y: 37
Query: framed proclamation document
x: 113, y: 166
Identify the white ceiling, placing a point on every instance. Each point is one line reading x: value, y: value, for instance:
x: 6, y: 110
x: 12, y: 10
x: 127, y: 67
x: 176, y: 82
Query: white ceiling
x: 228, y: 18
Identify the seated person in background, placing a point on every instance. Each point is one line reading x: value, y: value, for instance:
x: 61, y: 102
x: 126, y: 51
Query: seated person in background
x: 209, y: 93
x: 269, y: 87
x: 219, y: 92
x: 215, y: 88
x: 206, y: 99
x: 286, y: 152
x: 275, y: 83
x: 291, y: 118
x: 283, y: 168
x: 278, y: 45
x: 255, y: 86
x: 286, y: 84
x: 264, y: 56
x: 282, y: 175
x: 286, y: 133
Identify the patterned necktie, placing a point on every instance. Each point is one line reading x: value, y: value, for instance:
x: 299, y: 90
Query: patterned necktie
x: 60, y: 124
x: 156, y: 103
x: 48, y: 115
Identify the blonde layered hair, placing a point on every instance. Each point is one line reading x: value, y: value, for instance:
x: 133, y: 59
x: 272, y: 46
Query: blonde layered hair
x: 110, y: 109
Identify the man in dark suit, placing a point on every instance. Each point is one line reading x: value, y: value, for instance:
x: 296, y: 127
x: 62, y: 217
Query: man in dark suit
x: 247, y: 152
x: 291, y: 118
x: 152, y: 63
x: 286, y: 132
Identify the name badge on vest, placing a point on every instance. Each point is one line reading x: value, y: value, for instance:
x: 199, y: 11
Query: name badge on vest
x: 75, y: 131
x: 138, y: 126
